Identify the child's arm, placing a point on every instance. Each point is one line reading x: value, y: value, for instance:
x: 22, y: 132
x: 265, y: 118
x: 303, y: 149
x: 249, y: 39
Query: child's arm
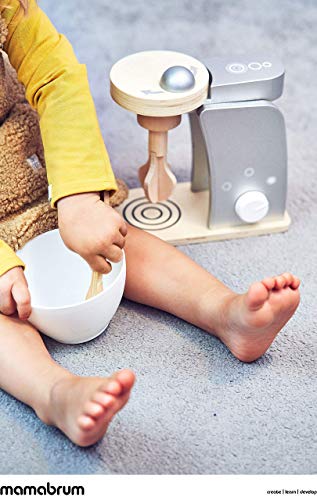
x: 8, y: 259
x: 76, y: 158
x: 57, y: 87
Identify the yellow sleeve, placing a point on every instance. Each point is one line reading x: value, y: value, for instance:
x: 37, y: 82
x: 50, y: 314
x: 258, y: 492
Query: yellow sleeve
x: 57, y: 87
x: 8, y: 259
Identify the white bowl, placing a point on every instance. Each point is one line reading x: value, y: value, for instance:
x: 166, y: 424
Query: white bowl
x: 58, y: 281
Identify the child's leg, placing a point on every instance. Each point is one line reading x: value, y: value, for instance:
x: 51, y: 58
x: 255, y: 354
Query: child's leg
x: 82, y: 407
x: 161, y: 276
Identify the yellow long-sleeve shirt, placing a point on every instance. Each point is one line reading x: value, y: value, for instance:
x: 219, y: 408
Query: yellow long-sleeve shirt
x: 57, y: 87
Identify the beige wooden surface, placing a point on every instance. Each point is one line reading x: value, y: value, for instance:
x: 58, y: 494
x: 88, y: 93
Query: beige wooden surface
x: 135, y: 83
x: 189, y: 218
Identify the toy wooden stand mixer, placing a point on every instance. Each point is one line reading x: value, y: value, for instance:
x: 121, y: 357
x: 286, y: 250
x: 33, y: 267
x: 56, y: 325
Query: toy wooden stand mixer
x: 239, y: 160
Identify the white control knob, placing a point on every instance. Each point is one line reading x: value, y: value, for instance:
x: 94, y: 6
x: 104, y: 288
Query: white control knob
x: 252, y: 206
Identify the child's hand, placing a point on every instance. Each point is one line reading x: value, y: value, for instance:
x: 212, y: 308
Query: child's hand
x: 92, y: 229
x: 14, y: 294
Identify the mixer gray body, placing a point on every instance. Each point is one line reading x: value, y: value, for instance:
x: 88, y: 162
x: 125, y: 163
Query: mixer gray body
x: 239, y: 142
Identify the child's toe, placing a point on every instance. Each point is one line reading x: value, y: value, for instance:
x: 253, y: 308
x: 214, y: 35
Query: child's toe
x: 112, y: 386
x: 126, y: 379
x: 269, y: 283
x: 106, y: 400
x: 118, y: 405
x: 279, y: 282
x: 85, y: 422
x: 256, y: 296
x: 93, y: 409
x: 288, y: 278
x: 295, y: 283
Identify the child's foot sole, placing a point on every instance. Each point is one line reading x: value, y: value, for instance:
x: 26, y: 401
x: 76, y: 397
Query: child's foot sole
x: 83, y: 407
x: 251, y: 321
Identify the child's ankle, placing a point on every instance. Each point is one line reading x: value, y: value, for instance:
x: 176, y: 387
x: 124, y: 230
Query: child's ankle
x: 213, y: 310
x: 48, y: 407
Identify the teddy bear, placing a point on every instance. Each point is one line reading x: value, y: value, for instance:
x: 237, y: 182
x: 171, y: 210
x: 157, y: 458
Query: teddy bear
x: 24, y: 208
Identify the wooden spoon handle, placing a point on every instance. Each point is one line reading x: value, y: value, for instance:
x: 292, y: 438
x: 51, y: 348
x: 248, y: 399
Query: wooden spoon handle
x: 106, y: 197
x: 96, y: 278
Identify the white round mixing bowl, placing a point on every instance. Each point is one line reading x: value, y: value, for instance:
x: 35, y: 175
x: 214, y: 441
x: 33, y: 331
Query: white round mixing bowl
x: 58, y: 281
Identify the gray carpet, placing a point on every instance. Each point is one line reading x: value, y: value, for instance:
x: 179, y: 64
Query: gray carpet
x: 195, y: 409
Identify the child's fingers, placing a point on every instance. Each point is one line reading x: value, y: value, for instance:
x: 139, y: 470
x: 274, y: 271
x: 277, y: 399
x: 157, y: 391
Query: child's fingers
x: 123, y: 229
x: 113, y: 253
x: 99, y: 264
x: 7, y: 304
x: 22, y: 297
x: 119, y: 240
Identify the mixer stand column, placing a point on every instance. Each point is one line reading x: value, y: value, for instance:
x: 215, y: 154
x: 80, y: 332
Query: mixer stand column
x: 155, y: 175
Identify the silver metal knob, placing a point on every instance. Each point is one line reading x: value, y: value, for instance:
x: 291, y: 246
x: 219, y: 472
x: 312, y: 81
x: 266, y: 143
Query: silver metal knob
x: 177, y: 79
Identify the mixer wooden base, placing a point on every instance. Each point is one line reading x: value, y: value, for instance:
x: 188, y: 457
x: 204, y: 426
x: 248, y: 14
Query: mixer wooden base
x: 183, y: 218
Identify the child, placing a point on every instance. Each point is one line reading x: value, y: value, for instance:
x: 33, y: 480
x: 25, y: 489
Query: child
x: 157, y: 273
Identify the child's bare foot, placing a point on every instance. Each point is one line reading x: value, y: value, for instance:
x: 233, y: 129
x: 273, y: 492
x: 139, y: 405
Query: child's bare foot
x: 250, y: 322
x: 82, y: 407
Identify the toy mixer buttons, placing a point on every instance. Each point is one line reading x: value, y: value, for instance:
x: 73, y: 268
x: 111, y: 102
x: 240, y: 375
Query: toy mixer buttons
x: 252, y: 206
x: 177, y: 79
x: 236, y: 68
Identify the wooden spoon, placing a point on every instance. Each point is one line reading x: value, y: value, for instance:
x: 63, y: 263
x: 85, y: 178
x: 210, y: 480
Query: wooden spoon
x: 96, y: 286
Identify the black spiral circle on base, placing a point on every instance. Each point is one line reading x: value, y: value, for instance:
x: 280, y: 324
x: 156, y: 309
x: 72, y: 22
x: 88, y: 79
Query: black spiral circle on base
x: 143, y: 214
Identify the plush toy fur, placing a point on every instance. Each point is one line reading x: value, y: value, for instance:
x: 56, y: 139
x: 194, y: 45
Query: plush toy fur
x: 24, y: 209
